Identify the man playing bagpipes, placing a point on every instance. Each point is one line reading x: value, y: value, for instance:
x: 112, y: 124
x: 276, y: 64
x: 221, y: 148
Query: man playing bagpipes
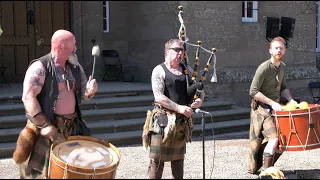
x: 53, y: 86
x: 169, y: 125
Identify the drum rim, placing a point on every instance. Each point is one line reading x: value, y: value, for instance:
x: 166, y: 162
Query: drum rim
x: 87, y: 171
x: 310, y: 110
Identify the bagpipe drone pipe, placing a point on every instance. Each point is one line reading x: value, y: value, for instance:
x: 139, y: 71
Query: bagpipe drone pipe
x: 194, y: 85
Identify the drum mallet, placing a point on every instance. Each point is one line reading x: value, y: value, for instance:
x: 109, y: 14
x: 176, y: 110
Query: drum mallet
x: 95, y: 53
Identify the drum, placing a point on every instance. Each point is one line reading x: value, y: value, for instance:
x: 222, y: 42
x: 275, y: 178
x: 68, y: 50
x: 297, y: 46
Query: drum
x: 83, y: 157
x: 299, y: 129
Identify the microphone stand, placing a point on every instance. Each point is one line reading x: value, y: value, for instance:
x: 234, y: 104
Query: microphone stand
x: 203, y: 151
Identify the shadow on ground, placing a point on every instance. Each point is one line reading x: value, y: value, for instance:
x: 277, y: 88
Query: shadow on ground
x: 308, y: 174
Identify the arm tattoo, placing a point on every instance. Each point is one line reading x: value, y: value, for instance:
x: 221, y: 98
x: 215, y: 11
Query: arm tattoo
x: 39, y: 72
x: 170, y: 104
x: 35, y: 81
x: 157, y: 84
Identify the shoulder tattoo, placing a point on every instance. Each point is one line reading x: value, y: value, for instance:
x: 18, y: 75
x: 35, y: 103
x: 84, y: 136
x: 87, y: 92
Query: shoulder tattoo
x: 157, y: 84
x: 35, y: 81
x: 39, y: 71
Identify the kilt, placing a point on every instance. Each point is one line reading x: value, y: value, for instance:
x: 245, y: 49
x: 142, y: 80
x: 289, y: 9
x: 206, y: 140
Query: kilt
x: 36, y: 167
x: 262, y: 128
x: 174, y: 150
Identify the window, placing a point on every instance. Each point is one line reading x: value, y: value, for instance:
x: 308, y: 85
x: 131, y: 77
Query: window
x: 318, y: 29
x: 105, y: 16
x: 249, y: 11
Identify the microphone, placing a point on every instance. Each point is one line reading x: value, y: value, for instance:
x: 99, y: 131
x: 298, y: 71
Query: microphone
x: 201, y: 111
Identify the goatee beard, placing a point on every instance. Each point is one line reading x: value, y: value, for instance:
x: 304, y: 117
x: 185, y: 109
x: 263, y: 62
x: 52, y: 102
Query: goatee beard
x: 277, y: 57
x: 73, y: 59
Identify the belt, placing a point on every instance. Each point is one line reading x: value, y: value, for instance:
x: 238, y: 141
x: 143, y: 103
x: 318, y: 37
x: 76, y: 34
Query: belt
x: 263, y: 105
x: 66, y: 118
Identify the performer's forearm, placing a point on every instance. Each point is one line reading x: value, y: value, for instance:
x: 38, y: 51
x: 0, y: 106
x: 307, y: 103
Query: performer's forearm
x: 166, y: 102
x: 262, y: 98
x: 286, y: 93
x: 34, y: 113
x: 32, y: 106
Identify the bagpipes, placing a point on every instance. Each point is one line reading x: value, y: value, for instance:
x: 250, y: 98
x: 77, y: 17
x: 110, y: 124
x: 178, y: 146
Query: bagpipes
x: 194, y: 86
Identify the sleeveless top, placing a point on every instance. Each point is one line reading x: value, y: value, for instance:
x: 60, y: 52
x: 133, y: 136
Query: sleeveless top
x: 175, y: 87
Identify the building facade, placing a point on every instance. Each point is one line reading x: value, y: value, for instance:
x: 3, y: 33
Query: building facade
x: 138, y: 30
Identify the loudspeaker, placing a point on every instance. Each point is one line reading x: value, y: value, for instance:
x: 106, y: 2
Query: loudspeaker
x: 287, y: 27
x: 272, y: 26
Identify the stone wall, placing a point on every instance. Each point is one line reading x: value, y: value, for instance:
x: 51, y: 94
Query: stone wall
x: 139, y: 30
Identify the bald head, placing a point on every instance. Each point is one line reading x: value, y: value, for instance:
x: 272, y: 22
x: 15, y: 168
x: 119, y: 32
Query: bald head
x: 63, y: 45
x: 61, y: 36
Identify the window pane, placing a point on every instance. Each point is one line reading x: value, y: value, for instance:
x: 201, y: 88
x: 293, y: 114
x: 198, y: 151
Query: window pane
x: 104, y: 24
x: 243, y: 14
x: 249, y: 9
x: 104, y: 11
x: 104, y: 3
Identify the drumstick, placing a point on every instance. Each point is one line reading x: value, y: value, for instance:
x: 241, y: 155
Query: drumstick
x: 95, y: 53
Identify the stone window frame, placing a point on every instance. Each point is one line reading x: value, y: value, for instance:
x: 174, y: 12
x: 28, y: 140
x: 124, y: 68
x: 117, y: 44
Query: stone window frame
x: 106, y: 21
x: 254, y: 12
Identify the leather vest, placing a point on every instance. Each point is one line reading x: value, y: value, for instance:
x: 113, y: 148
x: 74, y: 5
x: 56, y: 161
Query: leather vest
x: 49, y: 94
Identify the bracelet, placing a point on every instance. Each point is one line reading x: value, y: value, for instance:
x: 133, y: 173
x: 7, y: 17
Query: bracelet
x: 34, y: 120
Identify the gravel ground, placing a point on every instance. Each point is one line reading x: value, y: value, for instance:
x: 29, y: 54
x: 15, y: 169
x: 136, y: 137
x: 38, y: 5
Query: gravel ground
x: 226, y: 157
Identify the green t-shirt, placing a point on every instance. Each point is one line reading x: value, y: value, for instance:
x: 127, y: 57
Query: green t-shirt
x: 269, y: 80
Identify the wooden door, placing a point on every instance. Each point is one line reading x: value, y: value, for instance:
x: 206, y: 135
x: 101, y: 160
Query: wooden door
x: 27, y: 29
x: 17, y: 39
x: 50, y: 16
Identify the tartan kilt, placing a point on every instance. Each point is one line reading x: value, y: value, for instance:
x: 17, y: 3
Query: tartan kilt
x: 174, y: 150
x: 36, y: 166
x: 262, y: 128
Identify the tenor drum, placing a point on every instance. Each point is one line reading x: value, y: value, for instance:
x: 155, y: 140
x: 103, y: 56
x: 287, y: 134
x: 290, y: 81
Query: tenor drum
x: 83, y: 157
x: 299, y: 129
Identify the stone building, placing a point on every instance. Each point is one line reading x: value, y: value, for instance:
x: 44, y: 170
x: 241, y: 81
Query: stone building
x: 138, y: 30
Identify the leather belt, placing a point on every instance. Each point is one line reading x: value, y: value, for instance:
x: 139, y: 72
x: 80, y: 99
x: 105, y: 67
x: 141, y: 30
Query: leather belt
x: 263, y: 105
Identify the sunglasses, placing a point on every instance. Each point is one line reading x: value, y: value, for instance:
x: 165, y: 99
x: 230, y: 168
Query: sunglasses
x: 177, y: 49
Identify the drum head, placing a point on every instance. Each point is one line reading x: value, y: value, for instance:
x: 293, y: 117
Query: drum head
x: 85, y: 154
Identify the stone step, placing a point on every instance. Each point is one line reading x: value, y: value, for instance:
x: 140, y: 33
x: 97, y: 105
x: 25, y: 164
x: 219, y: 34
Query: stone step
x: 134, y: 137
x: 113, y: 126
x: 95, y: 103
x: 7, y: 109
x: 13, y: 120
x: 112, y: 89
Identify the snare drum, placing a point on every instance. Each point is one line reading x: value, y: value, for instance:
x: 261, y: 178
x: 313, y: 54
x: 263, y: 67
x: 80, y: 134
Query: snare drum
x: 299, y: 129
x: 83, y: 157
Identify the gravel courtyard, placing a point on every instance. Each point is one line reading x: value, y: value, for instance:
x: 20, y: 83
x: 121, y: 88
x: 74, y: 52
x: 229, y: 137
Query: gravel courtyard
x: 226, y: 157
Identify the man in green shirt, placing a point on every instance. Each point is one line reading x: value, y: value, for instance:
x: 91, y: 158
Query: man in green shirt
x: 268, y: 84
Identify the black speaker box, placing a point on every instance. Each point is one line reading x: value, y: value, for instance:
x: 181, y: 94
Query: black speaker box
x: 287, y: 27
x: 272, y: 27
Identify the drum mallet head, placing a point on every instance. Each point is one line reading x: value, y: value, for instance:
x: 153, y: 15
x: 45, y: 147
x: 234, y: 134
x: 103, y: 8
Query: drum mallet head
x: 95, y: 53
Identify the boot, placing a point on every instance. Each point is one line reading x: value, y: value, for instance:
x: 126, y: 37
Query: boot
x: 276, y: 157
x: 267, y: 160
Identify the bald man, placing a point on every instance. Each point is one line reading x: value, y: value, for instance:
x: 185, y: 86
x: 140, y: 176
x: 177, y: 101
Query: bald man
x: 53, y: 87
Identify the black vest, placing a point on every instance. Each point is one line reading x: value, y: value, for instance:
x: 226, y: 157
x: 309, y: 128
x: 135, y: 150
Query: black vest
x: 175, y: 87
x: 49, y: 94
